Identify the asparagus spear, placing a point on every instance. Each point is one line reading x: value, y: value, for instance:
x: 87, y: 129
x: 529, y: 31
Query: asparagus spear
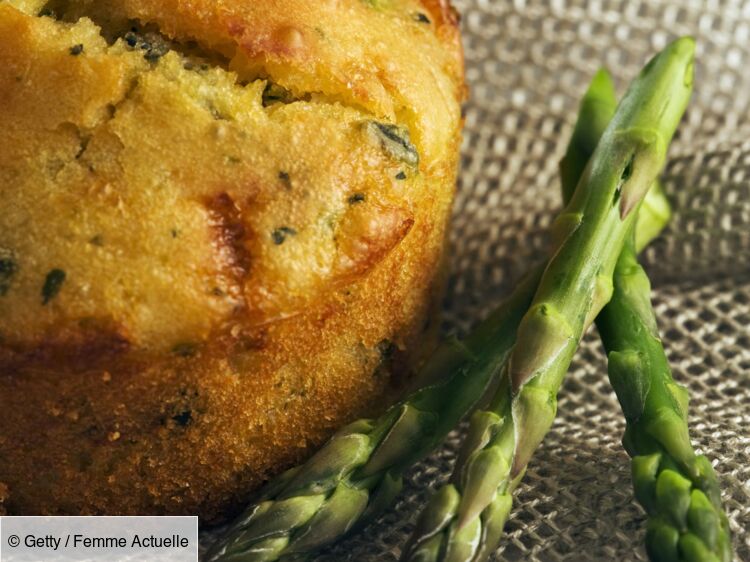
x: 678, y: 489
x: 464, y: 521
x: 358, y: 472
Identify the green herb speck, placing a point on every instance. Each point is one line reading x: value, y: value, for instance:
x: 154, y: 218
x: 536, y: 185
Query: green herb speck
x: 280, y: 234
x: 421, y: 18
x: 401, y: 175
x: 285, y: 179
x: 395, y: 141
x: 356, y: 198
x: 386, y: 349
x: 76, y: 50
x: 52, y: 285
x: 131, y: 39
x: 183, y: 418
x: 215, y: 113
x: 185, y: 349
x: 8, y: 269
x: 153, y: 44
x: 273, y: 93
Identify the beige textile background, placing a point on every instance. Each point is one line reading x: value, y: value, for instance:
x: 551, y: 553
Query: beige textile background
x: 528, y: 63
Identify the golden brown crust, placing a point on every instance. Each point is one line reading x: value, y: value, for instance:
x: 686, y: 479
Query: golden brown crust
x: 217, y: 226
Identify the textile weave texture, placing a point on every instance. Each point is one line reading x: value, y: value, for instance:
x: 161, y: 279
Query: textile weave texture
x: 528, y: 64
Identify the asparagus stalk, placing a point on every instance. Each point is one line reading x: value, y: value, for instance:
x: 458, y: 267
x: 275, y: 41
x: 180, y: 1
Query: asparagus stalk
x: 358, y: 472
x: 653, y: 403
x: 677, y: 488
x: 464, y: 521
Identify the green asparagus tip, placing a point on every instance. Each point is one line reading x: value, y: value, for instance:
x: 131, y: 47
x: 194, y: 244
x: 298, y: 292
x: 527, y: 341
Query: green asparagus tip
x: 601, y: 88
x: 670, y: 73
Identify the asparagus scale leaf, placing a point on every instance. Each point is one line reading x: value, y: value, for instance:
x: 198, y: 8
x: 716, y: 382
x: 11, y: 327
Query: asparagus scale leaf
x: 595, y: 112
x: 575, y: 285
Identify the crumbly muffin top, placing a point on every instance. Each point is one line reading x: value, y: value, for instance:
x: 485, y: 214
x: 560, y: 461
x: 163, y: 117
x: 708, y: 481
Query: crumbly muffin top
x: 171, y: 169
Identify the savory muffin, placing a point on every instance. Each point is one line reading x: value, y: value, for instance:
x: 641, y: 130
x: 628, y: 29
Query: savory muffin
x: 221, y: 238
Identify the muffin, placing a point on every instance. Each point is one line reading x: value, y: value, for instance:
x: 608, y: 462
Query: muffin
x: 222, y: 235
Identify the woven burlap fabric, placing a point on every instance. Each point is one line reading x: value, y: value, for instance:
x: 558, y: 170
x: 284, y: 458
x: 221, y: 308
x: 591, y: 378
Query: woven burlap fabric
x: 528, y: 63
